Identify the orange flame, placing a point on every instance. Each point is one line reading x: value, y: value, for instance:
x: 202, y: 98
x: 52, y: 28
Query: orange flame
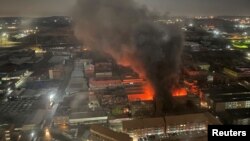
x: 178, y: 92
x: 127, y: 59
x: 147, y: 95
x: 149, y: 91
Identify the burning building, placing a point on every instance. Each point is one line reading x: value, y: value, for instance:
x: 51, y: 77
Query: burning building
x: 129, y: 34
x: 136, y: 88
x: 179, y: 92
x: 104, y: 83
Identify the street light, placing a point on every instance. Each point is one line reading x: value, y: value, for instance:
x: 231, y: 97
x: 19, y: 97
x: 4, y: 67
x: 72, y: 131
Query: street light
x: 244, y: 33
x: 216, y: 32
x: 47, y: 133
x: 32, y: 134
x: 248, y: 54
x: 4, y: 34
x: 4, y: 37
x: 190, y: 24
x: 51, y: 97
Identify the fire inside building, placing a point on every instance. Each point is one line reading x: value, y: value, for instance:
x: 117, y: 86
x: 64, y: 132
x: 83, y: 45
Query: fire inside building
x: 138, y: 89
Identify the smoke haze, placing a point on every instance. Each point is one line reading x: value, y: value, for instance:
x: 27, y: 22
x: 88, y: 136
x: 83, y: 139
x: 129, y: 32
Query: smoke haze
x: 128, y: 33
x: 174, y: 7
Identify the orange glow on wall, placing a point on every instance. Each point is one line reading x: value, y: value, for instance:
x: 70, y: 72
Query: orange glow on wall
x: 147, y: 95
x: 177, y: 92
x: 127, y: 60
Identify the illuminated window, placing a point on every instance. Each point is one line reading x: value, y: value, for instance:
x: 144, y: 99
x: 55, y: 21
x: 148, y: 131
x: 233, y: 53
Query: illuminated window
x: 247, y: 105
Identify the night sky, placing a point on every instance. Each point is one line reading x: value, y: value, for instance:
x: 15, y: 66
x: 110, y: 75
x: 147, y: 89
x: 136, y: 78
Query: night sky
x: 174, y: 7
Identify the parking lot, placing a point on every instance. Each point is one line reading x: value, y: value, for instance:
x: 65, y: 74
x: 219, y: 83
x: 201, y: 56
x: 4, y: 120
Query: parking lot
x: 16, y: 106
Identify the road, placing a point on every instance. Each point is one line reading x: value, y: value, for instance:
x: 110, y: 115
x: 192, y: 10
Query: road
x: 49, y: 132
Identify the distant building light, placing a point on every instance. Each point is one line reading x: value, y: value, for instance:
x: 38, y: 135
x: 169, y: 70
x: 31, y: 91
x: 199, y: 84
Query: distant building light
x: 191, y: 25
x: 11, y: 27
x: 248, y: 54
x: 4, y: 34
x: 32, y: 134
x: 216, y: 32
x: 183, y: 28
x: 241, y: 26
x: 47, y: 133
x: 228, y: 46
x: 51, y: 97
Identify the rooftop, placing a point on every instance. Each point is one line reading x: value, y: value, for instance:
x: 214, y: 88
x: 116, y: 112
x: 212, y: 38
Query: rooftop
x: 231, y: 97
x: 187, y: 118
x: 222, y: 90
x: 169, y: 120
x: 88, y: 114
x: 9, y: 67
x: 144, y: 123
x: 109, y: 134
x: 239, y: 113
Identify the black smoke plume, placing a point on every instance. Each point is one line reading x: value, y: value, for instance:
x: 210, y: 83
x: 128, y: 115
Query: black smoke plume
x: 129, y: 34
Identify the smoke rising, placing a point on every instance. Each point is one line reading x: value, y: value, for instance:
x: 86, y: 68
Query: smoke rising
x: 127, y: 32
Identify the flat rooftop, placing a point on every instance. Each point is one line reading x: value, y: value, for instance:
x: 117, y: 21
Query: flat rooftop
x: 231, y: 97
x: 239, y: 113
x: 192, y: 118
x: 242, y: 69
x: 228, y: 93
x: 143, y: 123
x: 169, y: 120
x: 88, y: 114
x: 109, y: 134
x: 221, y: 90
x: 188, y: 138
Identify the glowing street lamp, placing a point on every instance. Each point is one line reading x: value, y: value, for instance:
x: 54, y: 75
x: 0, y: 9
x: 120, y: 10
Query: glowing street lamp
x: 248, y: 54
x: 190, y: 24
x: 47, y: 133
x: 32, y: 134
x: 216, y: 32
x: 244, y: 33
x: 51, y: 97
x: 4, y: 34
